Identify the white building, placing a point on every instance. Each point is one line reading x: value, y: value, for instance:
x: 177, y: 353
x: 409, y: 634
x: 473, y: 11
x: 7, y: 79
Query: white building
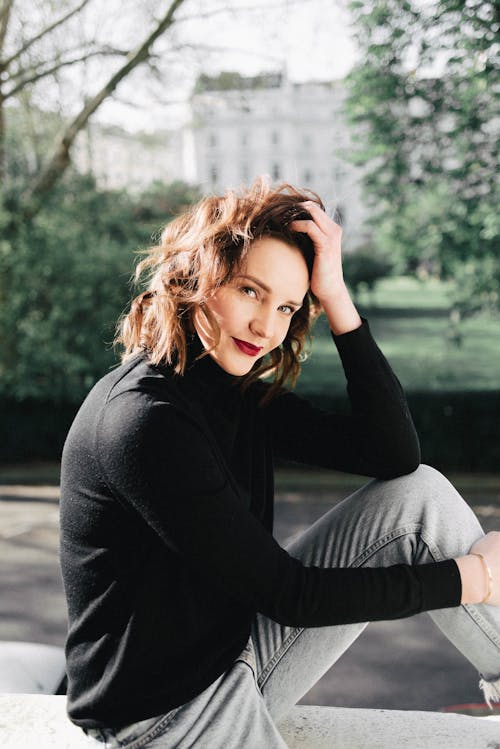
x: 291, y: 132
x: 119, y: 159
x: 240, y: 128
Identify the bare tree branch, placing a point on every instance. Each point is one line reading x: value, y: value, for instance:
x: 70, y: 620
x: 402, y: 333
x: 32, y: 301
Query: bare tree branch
x: 60, y: 159
x: 49, y: 71
x: 22, y: 72
x: 225, y: 9
x: 159, y: 100
x: 43, y: 33
x: 223, y: 49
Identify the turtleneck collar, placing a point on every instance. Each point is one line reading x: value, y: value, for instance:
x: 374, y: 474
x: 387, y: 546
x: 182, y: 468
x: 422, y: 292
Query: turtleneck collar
x: 206, y: 369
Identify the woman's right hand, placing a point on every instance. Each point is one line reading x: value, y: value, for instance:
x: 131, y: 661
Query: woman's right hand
x: 473, y: 572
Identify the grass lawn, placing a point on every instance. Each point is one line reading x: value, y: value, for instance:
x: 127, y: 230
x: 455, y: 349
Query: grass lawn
x: 410, y: 324
x: 406, y: 291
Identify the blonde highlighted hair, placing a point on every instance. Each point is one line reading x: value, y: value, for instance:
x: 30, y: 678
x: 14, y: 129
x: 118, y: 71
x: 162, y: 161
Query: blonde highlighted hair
x: 203, y: 249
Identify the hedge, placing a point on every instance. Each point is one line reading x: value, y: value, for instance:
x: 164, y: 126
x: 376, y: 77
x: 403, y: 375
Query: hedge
x: 459, y: 431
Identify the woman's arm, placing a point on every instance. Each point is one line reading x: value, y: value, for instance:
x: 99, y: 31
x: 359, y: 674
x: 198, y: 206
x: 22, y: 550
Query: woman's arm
x: 157, y: 462
x: 327, y: 278
x: 378, y: 437
x: 480, y: 569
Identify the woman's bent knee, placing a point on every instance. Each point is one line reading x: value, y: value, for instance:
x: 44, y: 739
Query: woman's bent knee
x: 427, y: 483
x: 425, y: 493
x: 440, y: 503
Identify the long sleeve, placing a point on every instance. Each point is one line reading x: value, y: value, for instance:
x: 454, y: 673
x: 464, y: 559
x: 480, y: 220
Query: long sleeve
x: 166, y: 546
x: 159, y: 462
x: 376, y: 439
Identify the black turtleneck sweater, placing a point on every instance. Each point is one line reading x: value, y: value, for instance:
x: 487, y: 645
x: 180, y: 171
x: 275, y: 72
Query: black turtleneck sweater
x: 166, y: 525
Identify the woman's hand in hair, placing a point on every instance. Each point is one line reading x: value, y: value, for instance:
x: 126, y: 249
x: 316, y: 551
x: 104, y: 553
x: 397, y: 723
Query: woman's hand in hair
x: 327, y: 275
x: 327, y: 278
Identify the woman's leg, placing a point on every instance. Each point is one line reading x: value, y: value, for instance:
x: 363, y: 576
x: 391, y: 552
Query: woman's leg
x: 413, y: 519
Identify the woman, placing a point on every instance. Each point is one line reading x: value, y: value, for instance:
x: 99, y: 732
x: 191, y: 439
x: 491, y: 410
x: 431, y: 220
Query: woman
x: 188, y: 624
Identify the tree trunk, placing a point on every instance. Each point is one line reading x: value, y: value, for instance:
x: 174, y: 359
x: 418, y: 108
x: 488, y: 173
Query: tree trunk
x: 35, y: 197
x: 5, y: 9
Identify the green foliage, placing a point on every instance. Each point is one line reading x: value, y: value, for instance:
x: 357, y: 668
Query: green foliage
x: 64, y: 281
x: 29, y: 135
x: 230, y: 80
x: 159, y: 202
x: 424, y: 108
x: 363, y: 269
x: 477, y: 286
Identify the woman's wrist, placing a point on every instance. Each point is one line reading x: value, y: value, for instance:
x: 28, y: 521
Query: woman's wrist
x: 475, y: 584
x: 339, y: 308
x: 489, y: 575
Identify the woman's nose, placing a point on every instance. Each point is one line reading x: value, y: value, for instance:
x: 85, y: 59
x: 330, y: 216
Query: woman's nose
x: 262, y: 324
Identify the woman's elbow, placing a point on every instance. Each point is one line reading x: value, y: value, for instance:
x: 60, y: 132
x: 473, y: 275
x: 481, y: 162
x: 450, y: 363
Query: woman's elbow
x: 404, y: 458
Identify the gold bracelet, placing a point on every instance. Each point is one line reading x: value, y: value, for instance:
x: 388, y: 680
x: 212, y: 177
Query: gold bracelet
x: 488, y: 574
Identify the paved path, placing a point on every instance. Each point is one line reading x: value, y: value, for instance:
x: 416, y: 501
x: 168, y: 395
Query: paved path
x: 399, y: 665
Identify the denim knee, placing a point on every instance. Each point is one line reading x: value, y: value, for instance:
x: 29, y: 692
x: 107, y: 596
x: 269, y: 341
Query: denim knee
x: 443, y: 513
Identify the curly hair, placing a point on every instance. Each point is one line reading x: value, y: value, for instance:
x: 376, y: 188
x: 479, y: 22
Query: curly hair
x: 203, y: 249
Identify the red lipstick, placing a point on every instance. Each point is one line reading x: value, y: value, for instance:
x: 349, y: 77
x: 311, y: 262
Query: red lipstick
x: 247, y: 348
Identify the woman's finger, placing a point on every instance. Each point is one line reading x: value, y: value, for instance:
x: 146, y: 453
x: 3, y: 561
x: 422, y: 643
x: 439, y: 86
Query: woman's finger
x: 311, y: 228
x: 324, y: 221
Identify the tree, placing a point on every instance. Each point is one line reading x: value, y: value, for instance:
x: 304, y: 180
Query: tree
x: 363, y: 269
x: 40, y: 41
x: 160, y: 202
x: 66, y: 247
x: 422, y: 103
x: 64, y: 281
x: 27, y: 73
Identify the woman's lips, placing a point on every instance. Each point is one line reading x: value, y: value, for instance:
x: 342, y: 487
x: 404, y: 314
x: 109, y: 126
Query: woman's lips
x: 247, y: 348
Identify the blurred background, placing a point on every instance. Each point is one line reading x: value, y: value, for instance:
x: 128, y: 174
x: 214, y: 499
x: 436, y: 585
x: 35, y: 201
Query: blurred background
x: 115, y: 117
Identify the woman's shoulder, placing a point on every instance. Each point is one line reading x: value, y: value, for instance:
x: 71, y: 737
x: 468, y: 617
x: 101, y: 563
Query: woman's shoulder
x: 134, y: 407
x: 141, y: 398
x: 133, y: 386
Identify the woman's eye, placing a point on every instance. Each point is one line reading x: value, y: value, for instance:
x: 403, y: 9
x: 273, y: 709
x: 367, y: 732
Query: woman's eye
x: 248, y: 290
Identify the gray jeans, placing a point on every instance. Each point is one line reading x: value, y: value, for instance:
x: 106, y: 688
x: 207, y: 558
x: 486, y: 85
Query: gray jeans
x: 413, y: 519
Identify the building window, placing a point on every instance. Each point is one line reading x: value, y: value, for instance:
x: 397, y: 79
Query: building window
x: 306, y: 141
x: 276, y: 171
x: 214, y: 174
x: 212, y: 140
x: 244, y: 139
x: 244, y: 172
x: 307, y: 177
x: 275, y: 138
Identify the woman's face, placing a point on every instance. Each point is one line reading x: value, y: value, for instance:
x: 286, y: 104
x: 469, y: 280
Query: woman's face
x: 254, y: 310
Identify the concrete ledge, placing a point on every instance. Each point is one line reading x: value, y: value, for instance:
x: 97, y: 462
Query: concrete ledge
x: 311, y: 727
x: 29, y: 667
x: 36, y: 721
